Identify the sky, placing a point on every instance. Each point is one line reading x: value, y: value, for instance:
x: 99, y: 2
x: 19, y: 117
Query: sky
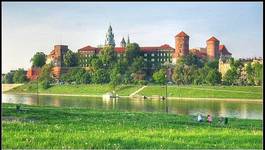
x: 30, y: 27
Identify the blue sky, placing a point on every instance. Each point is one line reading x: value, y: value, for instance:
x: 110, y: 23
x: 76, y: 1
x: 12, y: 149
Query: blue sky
x: 31, y: 27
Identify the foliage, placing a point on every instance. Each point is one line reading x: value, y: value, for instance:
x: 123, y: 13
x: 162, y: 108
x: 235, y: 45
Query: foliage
x: 230, y: 77
x: 100, y: 76
x: 160, y: 76
x: 213, y: 77
x: 115, y: 77
x: 20, y: 76
x: 8, y: 78
x: 132, y: 51
x: 77, y: 75
x: 70, y: 59
x: 45, y: 84
x: 38, y: 60
x: 108, y: 56
x: 46, y: 73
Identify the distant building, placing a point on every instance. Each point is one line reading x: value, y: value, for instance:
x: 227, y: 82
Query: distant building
x: 154, y: 55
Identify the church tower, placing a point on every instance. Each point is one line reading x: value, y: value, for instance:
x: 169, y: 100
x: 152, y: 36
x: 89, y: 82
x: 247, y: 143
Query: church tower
x: 110, y: 37
x: 212, y: 48
x: 181, y: 46
x: 123, y: 43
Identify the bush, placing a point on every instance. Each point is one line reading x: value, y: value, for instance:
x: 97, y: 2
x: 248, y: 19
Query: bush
x: 45, y: 84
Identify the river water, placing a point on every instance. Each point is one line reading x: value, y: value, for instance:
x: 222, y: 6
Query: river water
x: 242, y: 109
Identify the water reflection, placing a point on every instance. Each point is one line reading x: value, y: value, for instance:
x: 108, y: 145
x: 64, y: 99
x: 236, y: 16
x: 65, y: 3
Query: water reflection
x: 251, y: 110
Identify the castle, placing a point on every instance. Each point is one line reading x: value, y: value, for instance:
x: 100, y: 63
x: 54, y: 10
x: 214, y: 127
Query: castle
x: 153, y: 54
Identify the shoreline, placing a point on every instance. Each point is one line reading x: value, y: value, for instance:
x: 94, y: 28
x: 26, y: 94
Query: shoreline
x: 170, y: 98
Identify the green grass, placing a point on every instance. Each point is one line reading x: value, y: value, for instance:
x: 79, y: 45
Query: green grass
x: 240, y: 92
x: 191, y: 91
x: 89, y: 89
x: 50, y: 127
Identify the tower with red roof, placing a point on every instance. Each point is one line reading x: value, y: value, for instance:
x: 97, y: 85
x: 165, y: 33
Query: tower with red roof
x: 212, y: 48
x: 181, y: 46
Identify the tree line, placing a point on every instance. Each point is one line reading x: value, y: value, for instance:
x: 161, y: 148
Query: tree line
x: 108, y: 68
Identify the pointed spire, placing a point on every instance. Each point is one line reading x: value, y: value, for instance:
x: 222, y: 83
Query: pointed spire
x: 123, y: 43
x: 110, y: 37
x: 128, y: 40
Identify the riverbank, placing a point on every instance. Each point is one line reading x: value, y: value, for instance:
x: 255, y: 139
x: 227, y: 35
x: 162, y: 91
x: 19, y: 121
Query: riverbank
x: 64, y: 127
x: 230, y: 93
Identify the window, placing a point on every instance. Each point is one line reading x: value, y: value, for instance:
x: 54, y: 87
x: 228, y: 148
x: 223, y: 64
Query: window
x: 145, y: 59
x: 145, y: 54
x: 152, y: 54
x: 152, y: 59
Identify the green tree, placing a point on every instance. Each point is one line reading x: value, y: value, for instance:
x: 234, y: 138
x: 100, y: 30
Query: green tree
x: 38, y: 60
x: 250, y: 74
x: 115, y: 78
x: 108, y: 56
x: 214, y: 77
x: 8, y: 78
x: 100, y: 76
x: 257, y: 67
x: 20, y: 76
x: 70, y: 59
x: 46, y: 73
x: 132, y: 51
x: 230, y: 76
x: 160, y: 76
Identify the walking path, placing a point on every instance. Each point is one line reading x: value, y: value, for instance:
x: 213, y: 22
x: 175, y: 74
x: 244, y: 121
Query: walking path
x: 137, y: 91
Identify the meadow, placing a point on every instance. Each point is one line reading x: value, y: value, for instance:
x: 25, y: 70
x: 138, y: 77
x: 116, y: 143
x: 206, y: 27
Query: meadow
x: 192, y: 91
x: 69, y: 127
x: 188, y: 91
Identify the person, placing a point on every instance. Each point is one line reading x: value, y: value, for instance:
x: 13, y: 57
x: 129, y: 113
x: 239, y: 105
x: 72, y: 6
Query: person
x: 200, y: 118
x: 209, y: 118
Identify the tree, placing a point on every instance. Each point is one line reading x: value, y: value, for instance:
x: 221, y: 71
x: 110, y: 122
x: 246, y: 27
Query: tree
x: 100, y: 76
x: 70, y: 59
x: 132, y: 51
x: 214, y: 77
x: 230, y: 76
x: 160, y: 76
x: 108, y: 56
x: 38, y: 60
x: 46, y: 73
x: 77, y: 75
x: 19, y: 76
x: 8, y: 78
x: 115, y: 78
x: 257, y: 67
x: 250, y: 74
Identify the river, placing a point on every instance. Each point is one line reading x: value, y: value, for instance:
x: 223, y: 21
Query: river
x: 238, y: 109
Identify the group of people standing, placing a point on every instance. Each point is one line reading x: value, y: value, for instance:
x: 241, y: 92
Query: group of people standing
x: 222, y: 120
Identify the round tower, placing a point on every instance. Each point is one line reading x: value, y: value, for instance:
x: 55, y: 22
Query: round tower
x: 212, y: 48
x: 181, y: 46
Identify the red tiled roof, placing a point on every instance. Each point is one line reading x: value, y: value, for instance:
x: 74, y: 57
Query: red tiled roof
x: 89, y: 48
x: 120, y: 49
x: 212, y: 39
x: 223, y: 50
x: 182, y: 34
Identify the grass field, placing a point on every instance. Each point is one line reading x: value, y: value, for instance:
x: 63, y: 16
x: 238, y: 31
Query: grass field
x: 236, y: 92
x: 90, y: 89
x: 240, y: 92
x: 50, y: 127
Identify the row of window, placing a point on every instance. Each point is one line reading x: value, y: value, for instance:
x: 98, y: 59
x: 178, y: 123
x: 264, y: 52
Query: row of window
x: 158, y: 54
